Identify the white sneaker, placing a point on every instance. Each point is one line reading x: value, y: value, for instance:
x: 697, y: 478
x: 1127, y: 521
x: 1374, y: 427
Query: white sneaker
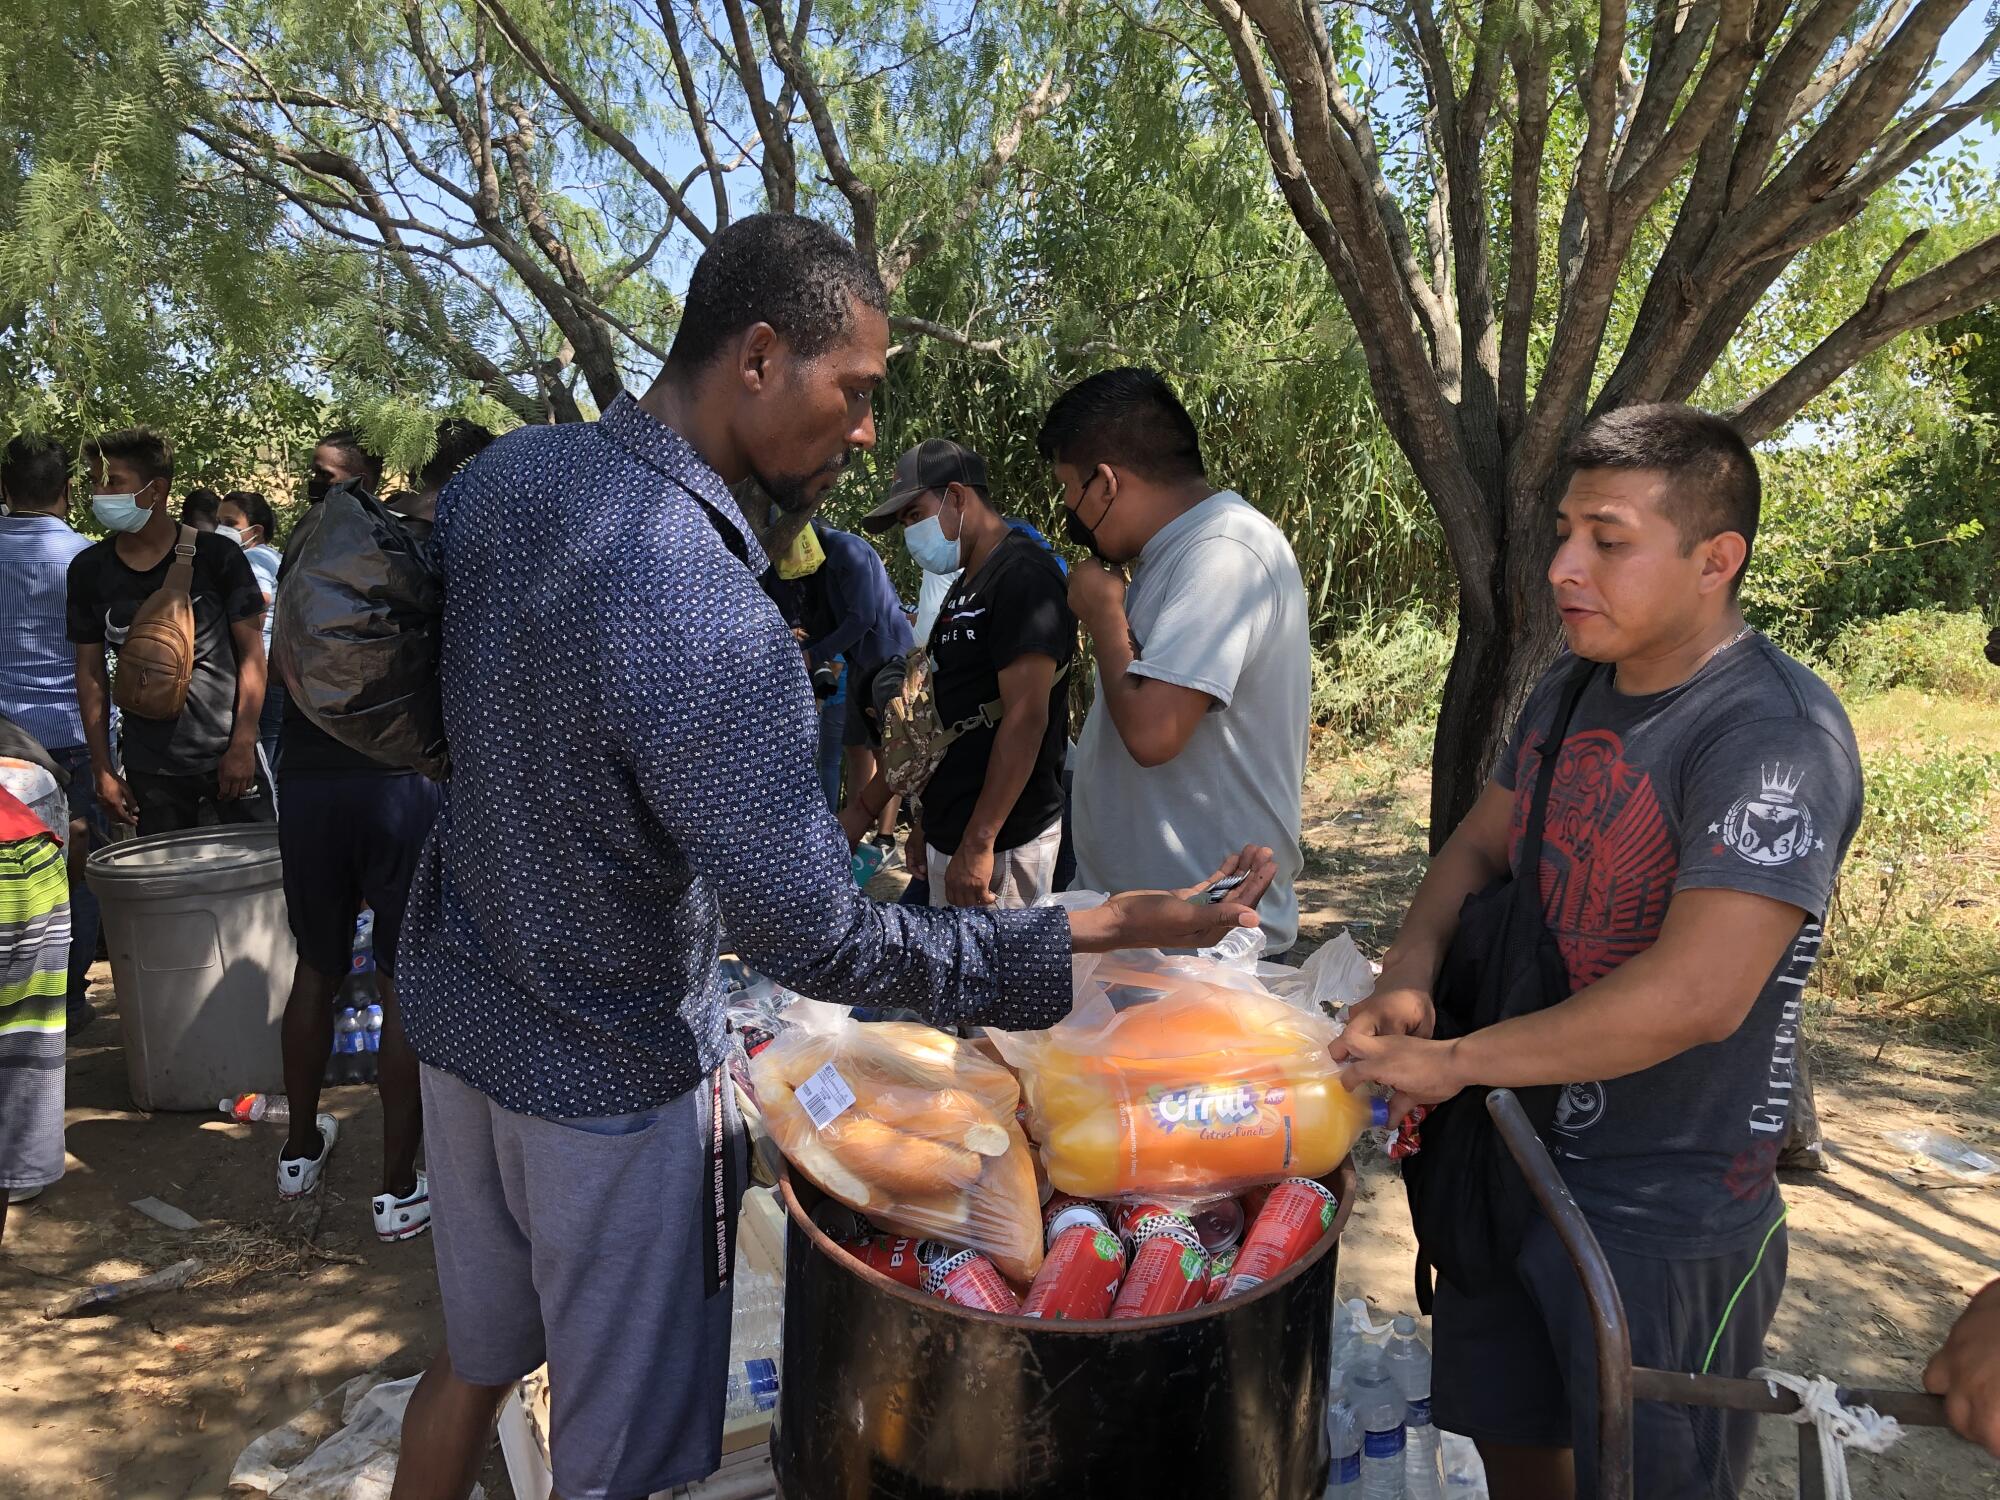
x: 403, y: 1218
x: 299, y: 1175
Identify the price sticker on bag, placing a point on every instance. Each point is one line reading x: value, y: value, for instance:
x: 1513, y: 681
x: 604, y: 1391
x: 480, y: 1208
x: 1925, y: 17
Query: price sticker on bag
x: 825, y: 1096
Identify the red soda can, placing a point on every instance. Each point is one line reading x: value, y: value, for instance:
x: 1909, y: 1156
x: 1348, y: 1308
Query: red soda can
x: 967, y: 1278
x: 1218, y: 1276
x: 894, y: 1256
x: 1167, y: 1272
x: 1219, y: 1224
x: 1064, y: 1212
x: 1253, y: 1202
x: 1135, y: 1217
x: 1080, y: 1277
x: 1294, y: 1219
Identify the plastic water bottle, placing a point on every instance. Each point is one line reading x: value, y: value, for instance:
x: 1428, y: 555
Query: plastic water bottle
x: 1379, y: 1409
x: 756, y: 1328
x: 1343, y: 1438
x: 374, y: 1018
x: 274, y: 1109
x: 347, y: 1046
x: 1409, y: 1365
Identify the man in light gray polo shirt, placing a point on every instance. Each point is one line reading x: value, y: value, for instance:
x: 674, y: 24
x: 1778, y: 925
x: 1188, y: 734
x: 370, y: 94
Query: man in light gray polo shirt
x: 1197, y: 735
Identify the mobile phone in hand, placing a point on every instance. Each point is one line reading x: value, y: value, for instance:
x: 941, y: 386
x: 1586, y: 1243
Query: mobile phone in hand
x: 1219, y: 892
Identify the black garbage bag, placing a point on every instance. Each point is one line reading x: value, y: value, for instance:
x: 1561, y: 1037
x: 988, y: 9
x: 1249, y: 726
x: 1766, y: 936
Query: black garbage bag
x: 360, y: 623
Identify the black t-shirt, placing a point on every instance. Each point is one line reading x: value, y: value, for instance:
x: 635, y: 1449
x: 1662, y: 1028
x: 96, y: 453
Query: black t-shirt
x: 1018, y: 605
x: 104, y: 595
x: 1743, y: 778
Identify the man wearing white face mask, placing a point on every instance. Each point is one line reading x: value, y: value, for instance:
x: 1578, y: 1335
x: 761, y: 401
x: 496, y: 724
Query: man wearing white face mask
x: 206, y: 755
x: 1003, y: 640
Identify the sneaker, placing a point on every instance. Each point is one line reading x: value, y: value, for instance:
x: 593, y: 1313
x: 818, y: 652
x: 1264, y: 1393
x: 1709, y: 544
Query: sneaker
x: 79, y: 1016
x: 299, y: 1175
x: 892, y: 852
x: 403, y: 1218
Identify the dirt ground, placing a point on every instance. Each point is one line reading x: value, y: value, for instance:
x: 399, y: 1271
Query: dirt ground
x: 155, y: 1398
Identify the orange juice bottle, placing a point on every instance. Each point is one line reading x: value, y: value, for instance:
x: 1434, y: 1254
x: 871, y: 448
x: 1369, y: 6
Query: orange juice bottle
x: 1201, y: 1090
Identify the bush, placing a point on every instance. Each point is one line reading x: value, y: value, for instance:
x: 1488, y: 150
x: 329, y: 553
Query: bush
x: 1907, y: 934
x: 1930, y: 802
x: 1926, y: 649
x: 1381, y: 676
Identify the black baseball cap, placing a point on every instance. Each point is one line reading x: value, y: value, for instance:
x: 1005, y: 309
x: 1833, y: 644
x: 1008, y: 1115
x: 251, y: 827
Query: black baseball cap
x: 931, y: 465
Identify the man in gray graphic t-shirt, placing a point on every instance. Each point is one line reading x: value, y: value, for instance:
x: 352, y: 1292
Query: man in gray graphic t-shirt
x: 1703, y: 794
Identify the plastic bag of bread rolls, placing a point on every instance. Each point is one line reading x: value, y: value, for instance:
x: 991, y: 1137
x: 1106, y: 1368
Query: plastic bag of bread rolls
x: 908, y: 1125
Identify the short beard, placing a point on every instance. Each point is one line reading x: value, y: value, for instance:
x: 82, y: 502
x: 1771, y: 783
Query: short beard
x: 788, y: 493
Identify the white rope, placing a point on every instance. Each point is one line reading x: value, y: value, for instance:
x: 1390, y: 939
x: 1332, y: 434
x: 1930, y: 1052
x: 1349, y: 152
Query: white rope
x: 1840, y: 1427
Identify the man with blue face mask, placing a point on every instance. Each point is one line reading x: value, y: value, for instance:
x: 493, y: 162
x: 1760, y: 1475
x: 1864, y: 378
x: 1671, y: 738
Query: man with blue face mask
x: 1003, y: 638
x: 206, y: 755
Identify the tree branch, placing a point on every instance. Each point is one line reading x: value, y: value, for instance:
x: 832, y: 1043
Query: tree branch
x: 670, y: 28
x: 1966, y: 281
x: 778, y: 163
x: 904, y: 254
x: 596, y: 124
x: 861, y: 201
x: 1524, y: 229
x: 1847, y: 64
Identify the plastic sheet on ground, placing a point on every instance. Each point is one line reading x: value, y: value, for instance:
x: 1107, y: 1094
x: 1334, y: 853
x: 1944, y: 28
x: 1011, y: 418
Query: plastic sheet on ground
x: 342, y: 1447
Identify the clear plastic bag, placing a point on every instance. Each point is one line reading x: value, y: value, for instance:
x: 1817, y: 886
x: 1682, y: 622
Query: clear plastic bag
x: 908, y: 1125
x: 1180, y: 1077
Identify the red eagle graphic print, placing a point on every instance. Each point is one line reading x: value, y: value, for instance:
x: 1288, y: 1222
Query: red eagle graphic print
x: 1608, y: 857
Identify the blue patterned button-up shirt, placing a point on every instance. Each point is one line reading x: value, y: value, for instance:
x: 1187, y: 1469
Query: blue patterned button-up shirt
x: 632, y: 739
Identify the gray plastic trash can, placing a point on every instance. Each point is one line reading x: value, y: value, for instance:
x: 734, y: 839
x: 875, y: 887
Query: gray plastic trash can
x: 202, y: 956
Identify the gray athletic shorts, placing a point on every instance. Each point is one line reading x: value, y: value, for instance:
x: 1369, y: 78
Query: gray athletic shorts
x: 603, y: 1247
x: 1517, y: 1366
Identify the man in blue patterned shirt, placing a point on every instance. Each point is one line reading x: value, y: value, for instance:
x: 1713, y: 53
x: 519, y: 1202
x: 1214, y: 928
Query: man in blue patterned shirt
x: 632, y: 739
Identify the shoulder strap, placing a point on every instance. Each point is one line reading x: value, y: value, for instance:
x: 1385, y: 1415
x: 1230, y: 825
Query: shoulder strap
x: 1531, y: 843
x: 180, y: 576
x: 991, y: 713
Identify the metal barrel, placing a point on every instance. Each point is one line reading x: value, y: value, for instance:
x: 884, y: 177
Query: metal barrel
x: 889, y: 1394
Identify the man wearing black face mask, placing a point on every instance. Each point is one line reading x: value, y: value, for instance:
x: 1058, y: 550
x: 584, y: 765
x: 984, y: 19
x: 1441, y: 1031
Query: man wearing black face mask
x: 1198, y: 732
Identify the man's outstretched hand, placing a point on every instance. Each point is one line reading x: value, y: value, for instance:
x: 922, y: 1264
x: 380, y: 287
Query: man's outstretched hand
x: 1178, y: 919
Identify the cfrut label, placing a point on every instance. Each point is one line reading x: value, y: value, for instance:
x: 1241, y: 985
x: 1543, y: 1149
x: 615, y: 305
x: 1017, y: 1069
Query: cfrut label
x: 825, y: 1096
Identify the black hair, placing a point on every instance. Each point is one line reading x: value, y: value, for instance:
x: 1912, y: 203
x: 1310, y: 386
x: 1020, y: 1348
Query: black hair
x: 256, y: 510
x: 200, y: 501
x: 795, y: 274
x: 1712, y: 483
x: 34, y: 470
x: 348, y: 441
x: 459, y: 441
x: 141, y: 447
x: 1129, y: 417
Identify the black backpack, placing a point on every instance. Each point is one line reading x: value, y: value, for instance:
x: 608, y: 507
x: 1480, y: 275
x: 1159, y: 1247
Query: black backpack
x: 359, y: 628
x: 1469, y: 1203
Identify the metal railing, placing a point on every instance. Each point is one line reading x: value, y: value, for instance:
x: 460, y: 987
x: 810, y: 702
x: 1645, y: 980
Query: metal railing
x: 1619, y: 1381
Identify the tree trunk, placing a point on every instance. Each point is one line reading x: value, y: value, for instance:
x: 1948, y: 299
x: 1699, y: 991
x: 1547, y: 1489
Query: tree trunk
x: 1497, y: 661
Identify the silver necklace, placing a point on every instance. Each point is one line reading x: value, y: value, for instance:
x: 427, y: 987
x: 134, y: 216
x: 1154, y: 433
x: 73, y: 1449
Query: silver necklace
x: 1745, y: 631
